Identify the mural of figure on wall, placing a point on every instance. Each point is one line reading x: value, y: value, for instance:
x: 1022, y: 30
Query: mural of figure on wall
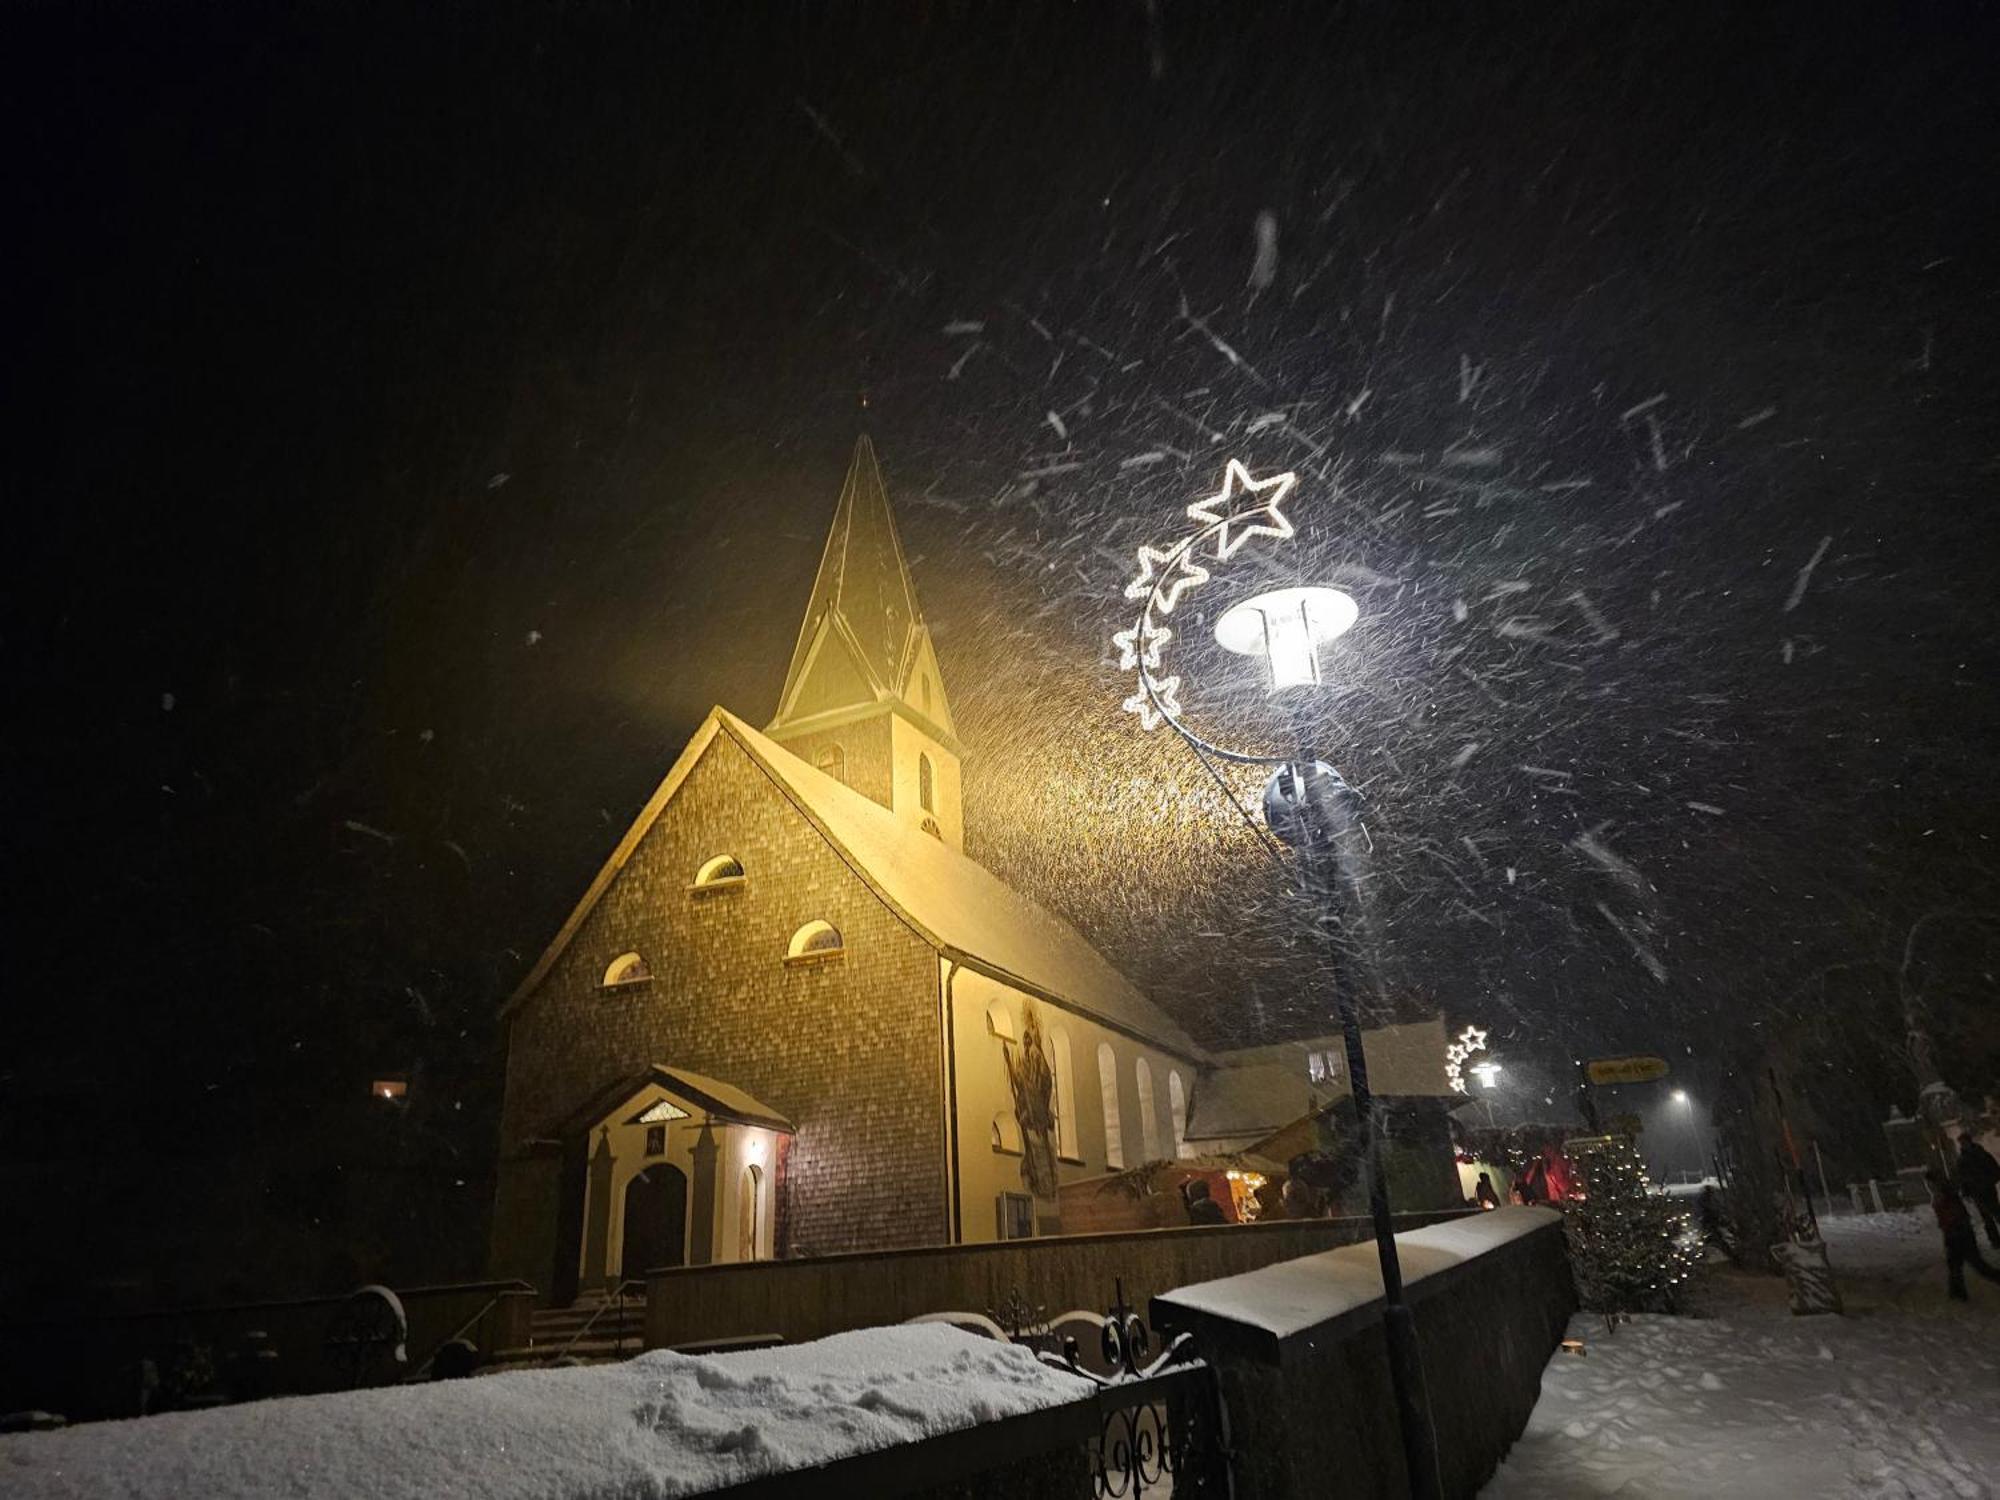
x: 1033, y: 1084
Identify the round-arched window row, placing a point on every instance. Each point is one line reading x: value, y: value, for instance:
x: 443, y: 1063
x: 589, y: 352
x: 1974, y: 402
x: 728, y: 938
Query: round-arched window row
x: 625, y: 969
x: 723, y: 872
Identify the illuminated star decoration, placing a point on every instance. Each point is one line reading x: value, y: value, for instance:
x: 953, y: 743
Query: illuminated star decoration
x: 1236, y: 525
x: 1470, y: 1040
x: 1166, y: 588
x: 1166, y: 574
x: 1153, y: 707
x: 1131, y: 653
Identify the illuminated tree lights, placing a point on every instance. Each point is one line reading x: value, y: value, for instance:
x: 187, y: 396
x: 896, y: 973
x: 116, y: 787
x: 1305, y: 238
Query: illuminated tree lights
x: 1243, y: 508
x: 1630, y: 1248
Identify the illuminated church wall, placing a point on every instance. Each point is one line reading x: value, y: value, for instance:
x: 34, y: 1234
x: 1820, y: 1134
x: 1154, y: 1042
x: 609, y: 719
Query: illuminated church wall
x: 982, y: 1008
x: 848, y: 1050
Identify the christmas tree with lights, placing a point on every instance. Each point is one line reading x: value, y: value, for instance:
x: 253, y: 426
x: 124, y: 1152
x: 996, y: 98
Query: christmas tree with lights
x: 1631, y: 1249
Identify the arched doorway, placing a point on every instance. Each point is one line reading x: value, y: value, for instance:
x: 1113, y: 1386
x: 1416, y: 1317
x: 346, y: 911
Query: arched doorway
x: 655, y: 1220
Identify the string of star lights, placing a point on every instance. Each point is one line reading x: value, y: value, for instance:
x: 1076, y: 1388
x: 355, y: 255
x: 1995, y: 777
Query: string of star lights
x: 1470, y: 1040
x: 1242, y: 509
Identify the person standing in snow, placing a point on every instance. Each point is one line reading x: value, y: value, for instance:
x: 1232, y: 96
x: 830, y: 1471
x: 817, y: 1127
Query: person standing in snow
x: 1961, y: 1247
x: 1484, y: 1192
x: 1979, y: 1181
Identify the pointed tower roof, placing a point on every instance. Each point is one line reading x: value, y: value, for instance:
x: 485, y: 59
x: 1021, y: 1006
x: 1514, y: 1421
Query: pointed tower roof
x: 863, y: 586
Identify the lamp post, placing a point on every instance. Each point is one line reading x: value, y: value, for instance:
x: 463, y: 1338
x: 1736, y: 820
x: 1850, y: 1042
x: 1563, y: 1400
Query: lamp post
x: 1309, y: 806
x: 1687, y: 1124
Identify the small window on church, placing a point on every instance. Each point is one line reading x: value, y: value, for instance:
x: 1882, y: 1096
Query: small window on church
x: 1000, y: 1022
x: 926, y: 788
x: 924, y: 693
x: 627, y: 968
x: 656, y: 1140
x: 724, y: 872
x: 816, y: 942
x: 833, y: 761
x: 930, y: 826
x: 390, y: 1088
x: 1006, y: 1135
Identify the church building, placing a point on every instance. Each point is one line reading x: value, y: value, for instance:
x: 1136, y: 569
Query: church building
x: 790, y: 1016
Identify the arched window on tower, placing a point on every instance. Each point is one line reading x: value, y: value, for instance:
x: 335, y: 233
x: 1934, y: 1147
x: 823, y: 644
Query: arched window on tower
x: 833, y: 760
x: 1114, y: 1130
x: 926, y: 788
x: 1067, y: 1144
x: 1177, y: 1104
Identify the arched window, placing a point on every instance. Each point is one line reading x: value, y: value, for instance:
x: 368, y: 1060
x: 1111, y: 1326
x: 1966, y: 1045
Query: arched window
x: 926, y: 790
x: 1065, y: 1071
x: 833, y: 760
x: 749, y: 1213
x: 1000, y: 1021
x: 1006, y: 1135
x: 815, y: 942
x: 1177, y: 1105
x: 1149, y: 1124
x: 924, y: 693
x: 1114, y: 1131
x: 626, y: 968
x: 723, y: 870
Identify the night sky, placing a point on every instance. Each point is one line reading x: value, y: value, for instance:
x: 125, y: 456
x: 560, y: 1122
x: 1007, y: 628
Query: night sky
x: 427, y: 413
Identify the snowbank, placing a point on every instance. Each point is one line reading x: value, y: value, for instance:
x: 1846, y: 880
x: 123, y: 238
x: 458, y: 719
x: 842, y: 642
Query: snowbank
x: 660, y: 1425
x: 1295, y: 1295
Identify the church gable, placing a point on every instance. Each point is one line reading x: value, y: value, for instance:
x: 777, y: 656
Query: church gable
x: 924, y: 688
x: 729, y: 997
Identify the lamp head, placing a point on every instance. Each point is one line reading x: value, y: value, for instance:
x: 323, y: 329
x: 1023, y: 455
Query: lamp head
x: 1287, y: 627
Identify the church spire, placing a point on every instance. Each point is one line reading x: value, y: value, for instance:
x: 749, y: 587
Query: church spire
x: 864, y: 582
x: 864, y: 665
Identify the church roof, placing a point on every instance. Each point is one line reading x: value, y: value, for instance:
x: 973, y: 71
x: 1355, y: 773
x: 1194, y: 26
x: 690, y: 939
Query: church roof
x: 863, y: 585
x: 961, y: 908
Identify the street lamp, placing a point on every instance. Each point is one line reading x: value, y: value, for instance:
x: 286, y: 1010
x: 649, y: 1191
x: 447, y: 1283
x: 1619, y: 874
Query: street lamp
x: 1687, y: 1123
x: 1308, y: 805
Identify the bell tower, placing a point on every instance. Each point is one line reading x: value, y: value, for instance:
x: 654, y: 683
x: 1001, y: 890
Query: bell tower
x: 864, y: 700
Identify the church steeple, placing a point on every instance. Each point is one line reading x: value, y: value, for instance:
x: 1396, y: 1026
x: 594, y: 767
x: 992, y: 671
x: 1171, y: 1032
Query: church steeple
x: 864, y: 699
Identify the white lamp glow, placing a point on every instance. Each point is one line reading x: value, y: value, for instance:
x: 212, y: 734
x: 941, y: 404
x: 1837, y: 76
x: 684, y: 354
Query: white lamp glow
x: 1288, y: 627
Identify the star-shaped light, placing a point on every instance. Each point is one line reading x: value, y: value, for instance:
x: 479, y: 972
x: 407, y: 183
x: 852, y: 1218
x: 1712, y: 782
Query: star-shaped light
x: 1239, y: 522
x: 1177, y: 572
x: 1140, y: 646
x: 1153, y: 708
x: 1470, y: 1040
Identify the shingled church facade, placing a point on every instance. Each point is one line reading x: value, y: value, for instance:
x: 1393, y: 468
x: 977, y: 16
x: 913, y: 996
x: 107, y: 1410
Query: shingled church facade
x: 789, y: 1015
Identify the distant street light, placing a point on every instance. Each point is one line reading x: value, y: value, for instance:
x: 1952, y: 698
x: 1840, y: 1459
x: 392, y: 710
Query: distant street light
x: 1308, y: 805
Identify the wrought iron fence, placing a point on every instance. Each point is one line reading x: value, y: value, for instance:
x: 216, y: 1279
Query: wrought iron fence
x: 1154, y: 1427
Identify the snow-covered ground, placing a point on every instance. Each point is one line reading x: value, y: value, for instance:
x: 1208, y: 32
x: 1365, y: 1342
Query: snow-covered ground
x: 657, y: 1426
x: 1901, y: 1397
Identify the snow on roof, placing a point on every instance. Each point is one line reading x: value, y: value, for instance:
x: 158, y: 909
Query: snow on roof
x: 660, y: 1425
x: 1251, y: 1101
x: 1295, y: 1295
x: 962, y: 907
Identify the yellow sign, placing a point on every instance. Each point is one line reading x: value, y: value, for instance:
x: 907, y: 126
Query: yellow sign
x: 1627, y: 1069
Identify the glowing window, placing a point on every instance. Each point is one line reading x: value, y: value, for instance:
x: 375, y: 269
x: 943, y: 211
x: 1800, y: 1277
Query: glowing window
x: 722, y: 871
x: 390, y: 1088
x: 1177, y: 1106
x: 1006, y: 1134
x: 1000, y: 1023
x: 833, y: 761
x: 1065, y: 1070
x: 1114, y: 1130
x: 926, y: 787
x: 1149, y: 1122
x: 816, y: 942
x: 626, y: 968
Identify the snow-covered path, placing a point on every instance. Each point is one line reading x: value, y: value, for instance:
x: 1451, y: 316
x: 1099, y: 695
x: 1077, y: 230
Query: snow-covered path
x: 1899, y: 1398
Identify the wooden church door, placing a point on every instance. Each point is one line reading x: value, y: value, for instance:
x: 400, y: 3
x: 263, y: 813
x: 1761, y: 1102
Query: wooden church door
x: 655, y: 1220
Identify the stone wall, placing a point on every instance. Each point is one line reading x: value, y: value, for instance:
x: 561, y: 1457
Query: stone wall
x: 1314, y: 1398
x: 809, y: 1299
x: 849, y: 1051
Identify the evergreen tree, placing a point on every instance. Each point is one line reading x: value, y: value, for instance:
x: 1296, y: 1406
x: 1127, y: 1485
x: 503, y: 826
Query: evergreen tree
x: 1631, y: 1249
